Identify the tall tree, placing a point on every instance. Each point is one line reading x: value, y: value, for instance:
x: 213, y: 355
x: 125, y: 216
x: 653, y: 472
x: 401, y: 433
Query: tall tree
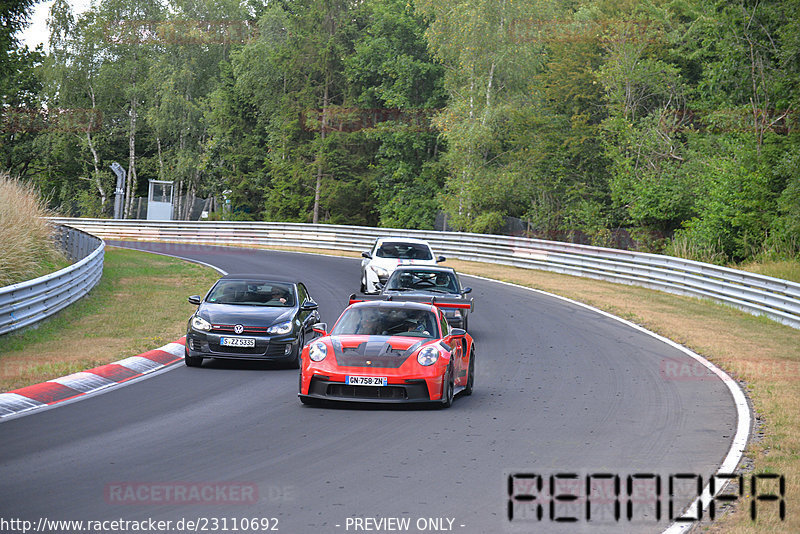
x: 13, y: 17
x: 131, y: 56
x: 487, y: 73
x: 72, y: 73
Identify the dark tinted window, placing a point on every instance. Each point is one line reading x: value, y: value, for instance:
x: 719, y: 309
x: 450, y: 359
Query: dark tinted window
x: 404, y: 251
x: 423, y: 280
x: 374, y: 321
x: 252, y: 293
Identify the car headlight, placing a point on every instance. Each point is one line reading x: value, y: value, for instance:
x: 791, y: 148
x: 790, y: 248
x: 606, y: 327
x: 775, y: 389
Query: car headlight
x: 280, y: 328
x: 428, y: 356
x: 198, y: 323
x: 317, y: 351
x: 380, y: 271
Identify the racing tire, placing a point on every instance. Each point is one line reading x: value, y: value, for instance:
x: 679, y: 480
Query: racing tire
x: 449, y: 392
x: 363, y: 287
x: 471, y: 377
x: 308, y: 401
x: 465, y: 322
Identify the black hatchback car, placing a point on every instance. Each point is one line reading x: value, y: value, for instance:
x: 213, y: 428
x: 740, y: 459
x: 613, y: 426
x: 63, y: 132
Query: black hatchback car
x: 251, y: 317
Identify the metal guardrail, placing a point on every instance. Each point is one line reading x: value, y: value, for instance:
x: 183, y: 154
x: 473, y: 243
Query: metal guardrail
x: 754, y: 293
x: 27, y: 303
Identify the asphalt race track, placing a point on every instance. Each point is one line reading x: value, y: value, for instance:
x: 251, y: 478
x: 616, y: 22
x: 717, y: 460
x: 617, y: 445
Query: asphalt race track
x: 559, y: 389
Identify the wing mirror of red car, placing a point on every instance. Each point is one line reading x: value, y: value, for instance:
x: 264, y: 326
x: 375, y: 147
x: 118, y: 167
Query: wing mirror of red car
x: 320, y: 328
x: 455, y: 332
x: 195, y: 299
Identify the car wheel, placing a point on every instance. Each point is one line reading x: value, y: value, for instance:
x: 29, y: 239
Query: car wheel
x: 465, y: 322
x: 298, y: 351
x: 308, y: 401
x: 471, y: 377
x: 363, y: 287
x: 193, y: 361
x: 447, y: 394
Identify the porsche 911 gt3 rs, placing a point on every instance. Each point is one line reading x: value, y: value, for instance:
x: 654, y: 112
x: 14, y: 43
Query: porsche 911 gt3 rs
x: 389, y: 351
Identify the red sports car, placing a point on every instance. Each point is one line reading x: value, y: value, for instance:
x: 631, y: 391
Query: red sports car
x: 389, y: 351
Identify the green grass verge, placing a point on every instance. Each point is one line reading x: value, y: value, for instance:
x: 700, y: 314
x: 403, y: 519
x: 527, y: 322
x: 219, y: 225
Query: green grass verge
x: 139, y: 304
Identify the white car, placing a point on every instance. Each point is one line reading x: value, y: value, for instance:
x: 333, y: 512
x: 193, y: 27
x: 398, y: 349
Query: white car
x: 389, y: 252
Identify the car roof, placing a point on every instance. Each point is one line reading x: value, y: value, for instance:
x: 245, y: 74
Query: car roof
x: 260, y: 278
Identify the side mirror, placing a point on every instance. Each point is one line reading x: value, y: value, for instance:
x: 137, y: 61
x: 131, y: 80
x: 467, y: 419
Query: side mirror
x: 195, y: 299
x: 320, y: 328
x: 466, y: 290
x: 366, y: 254
x: 455, y: 332
x: 309, y: 305
x: 440, y: 259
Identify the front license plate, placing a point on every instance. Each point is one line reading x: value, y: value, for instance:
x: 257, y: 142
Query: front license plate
x: 237, y: 341
x: 367, y: 381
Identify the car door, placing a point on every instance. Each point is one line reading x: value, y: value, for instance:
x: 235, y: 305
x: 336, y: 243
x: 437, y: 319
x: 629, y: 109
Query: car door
x: 458, y: 356
x: 307, y: 318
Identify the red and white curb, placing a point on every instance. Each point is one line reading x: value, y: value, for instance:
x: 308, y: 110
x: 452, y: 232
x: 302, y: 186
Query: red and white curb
x: 90, y: 381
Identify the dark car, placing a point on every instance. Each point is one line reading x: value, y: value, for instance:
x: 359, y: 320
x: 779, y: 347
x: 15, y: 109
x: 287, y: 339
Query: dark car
x: 430, y: 281
x: 251, y: 317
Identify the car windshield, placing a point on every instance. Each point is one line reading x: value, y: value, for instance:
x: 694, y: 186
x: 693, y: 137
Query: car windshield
x: 404, y: 251
x: 252, y: 293
x: 374, y: 321
x: 409, y: 279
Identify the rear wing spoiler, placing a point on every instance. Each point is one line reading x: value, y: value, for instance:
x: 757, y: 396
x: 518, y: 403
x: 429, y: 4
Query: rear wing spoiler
x: 439, y: 302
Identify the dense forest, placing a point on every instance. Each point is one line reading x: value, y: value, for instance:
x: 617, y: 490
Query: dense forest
x: 675, y: 120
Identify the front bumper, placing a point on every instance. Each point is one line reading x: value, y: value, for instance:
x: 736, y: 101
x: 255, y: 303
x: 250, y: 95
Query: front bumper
x: 271, y: 348
x: 412, y: 391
